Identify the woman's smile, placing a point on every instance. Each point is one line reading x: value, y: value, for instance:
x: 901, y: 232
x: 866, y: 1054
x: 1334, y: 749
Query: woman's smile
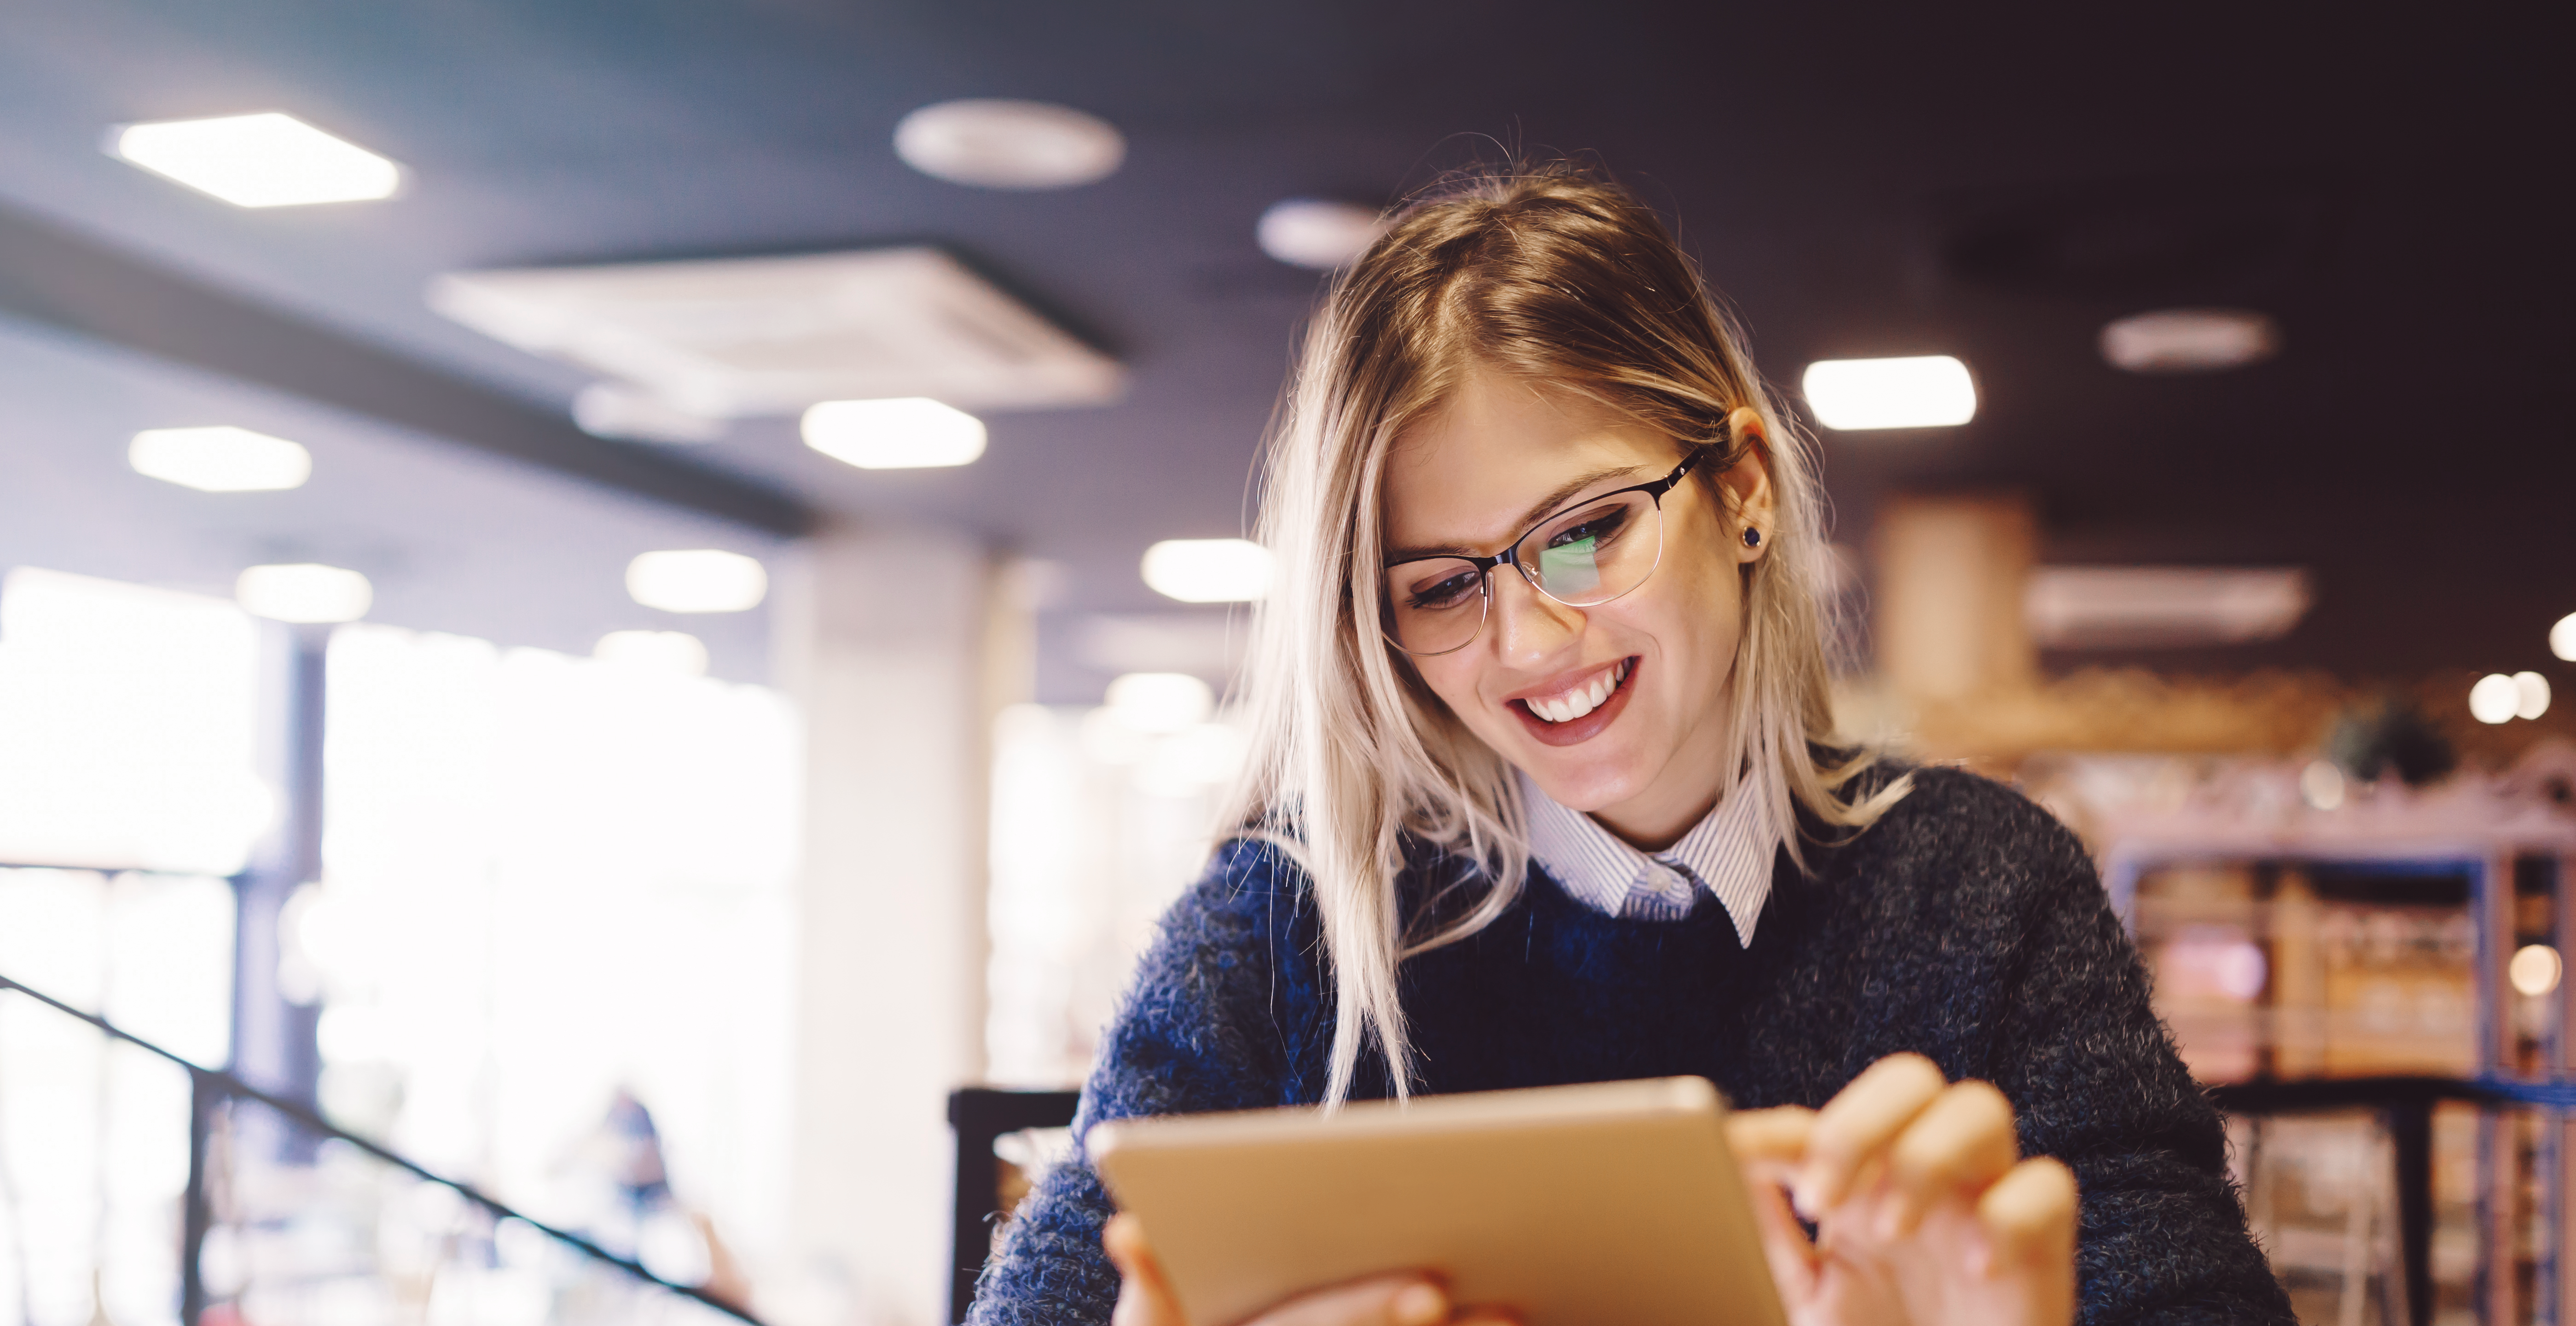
x: 1575, y: 706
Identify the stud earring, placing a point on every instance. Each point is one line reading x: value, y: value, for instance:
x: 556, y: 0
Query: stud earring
x: 1752, y: 537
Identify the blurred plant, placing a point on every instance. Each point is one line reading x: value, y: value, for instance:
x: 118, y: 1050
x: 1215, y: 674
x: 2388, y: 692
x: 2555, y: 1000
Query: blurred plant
x: 2390, y: 735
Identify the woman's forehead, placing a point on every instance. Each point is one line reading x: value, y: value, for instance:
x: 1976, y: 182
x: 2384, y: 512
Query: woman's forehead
x: 1479, y: 468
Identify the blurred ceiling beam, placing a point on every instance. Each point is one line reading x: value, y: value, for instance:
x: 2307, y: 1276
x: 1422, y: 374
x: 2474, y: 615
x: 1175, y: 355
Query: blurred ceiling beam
x: 72, y: 283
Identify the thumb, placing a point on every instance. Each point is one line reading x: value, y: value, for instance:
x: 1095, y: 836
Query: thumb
x: 1145, y: 1298
x: 1768, y: 1146
x: 1784, y: 1245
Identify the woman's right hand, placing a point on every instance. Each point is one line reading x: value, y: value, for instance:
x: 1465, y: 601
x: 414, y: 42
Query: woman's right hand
x: 1145, y: 1297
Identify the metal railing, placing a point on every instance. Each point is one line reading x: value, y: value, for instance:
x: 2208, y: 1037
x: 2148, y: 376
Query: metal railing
x: 213, y: 1092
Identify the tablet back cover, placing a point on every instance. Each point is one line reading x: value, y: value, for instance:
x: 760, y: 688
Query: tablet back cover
x: 1610, y: 1203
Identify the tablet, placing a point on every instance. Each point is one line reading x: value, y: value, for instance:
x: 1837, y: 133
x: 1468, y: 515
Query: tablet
x: 1575, y: 1206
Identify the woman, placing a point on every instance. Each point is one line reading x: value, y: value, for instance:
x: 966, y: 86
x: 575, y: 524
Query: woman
x: 1541, y: 793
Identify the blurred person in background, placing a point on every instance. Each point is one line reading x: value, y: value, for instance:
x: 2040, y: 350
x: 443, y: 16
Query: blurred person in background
x: 622, y: 1186
x: 1544, y: 791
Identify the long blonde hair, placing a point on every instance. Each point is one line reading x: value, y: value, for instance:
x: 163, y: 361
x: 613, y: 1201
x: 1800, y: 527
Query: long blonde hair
x: 1552, y: 274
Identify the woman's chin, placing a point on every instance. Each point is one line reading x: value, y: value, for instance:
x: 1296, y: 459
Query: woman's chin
x: 1578, y: 779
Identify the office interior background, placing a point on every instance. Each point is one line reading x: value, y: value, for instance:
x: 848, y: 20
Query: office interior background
x: 604, y: 605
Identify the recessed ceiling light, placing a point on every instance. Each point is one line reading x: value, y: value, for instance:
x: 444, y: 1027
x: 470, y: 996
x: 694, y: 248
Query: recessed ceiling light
x: 2562, y: 638
x: 1160, y: 701
x: 304, y: 592
x: 221, y: 459
x: 1009, y: 144
x: 675, y: 652
x: 906, y: 433
x: 697, y: 580
x: 2190, y: 340
x: 271, y: 159
x: 1309, y: 232
x: 1922, y: 391
x: 1208, y: 570
x: 2494, y: 699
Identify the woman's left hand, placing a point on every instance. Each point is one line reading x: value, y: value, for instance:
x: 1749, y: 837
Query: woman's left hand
x: 1924, y: 1211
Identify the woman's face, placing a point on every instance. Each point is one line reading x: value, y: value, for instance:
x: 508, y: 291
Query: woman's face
x: 1646, y: 759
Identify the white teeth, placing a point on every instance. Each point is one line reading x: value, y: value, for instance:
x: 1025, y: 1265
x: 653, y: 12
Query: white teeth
x: 1576, y: 704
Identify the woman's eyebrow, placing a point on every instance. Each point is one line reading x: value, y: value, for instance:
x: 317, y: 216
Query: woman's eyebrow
x: 1538, y: 511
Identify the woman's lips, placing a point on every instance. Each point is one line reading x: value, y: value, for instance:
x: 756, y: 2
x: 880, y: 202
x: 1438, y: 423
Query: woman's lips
x: 1580, y: 729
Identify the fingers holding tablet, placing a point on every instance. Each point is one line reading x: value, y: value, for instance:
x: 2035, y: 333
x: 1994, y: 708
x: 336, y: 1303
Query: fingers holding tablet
x: 1847, y: 1150
x: 2028, y: 1219
x: 1920, y: 1201
x: 1958, y: 1146
x: 1785, y: 1247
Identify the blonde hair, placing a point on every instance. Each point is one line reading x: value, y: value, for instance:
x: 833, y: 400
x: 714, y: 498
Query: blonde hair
x: 1555, y: 275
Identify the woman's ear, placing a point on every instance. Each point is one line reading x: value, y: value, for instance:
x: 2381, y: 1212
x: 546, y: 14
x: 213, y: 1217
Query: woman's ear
x: 1747, y: 487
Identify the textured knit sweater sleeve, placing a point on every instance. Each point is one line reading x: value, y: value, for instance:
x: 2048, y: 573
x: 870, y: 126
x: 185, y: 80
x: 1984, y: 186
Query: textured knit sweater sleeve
x: 2094, y: 1076
x: 1209, y: 1023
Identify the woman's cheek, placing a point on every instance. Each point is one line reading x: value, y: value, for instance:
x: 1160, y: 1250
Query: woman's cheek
x: 1455, y: 685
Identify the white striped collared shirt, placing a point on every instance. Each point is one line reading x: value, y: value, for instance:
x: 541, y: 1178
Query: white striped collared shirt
x: 1727, y: 855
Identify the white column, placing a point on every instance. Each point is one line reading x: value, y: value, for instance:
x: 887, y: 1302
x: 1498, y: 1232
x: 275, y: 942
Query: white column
x: 887, y: 641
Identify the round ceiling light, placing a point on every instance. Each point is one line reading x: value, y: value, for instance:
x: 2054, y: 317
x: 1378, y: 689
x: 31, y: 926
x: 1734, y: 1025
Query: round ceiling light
x: 1310, y: 232
x: 2190, y: 340
x: 1009, y: 144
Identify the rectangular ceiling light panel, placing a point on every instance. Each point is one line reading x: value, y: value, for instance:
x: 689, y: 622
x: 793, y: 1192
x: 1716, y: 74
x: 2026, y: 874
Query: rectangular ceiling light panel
x: 734, y: 338
x: 1921, y: 391
x: 270, y: 159
x: 2129, y: 607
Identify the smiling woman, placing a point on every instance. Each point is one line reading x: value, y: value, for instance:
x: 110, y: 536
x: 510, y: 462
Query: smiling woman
x: 1544, y: 790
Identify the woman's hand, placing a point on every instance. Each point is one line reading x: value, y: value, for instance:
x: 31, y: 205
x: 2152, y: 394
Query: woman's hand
x: 1924, y: 1212
x: 1145, y: 1297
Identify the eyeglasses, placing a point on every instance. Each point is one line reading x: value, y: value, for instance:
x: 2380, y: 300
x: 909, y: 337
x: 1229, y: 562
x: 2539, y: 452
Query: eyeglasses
x: 1582, y: 557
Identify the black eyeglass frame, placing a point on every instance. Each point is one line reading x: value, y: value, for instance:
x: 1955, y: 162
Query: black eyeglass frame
x: 1510, y: 555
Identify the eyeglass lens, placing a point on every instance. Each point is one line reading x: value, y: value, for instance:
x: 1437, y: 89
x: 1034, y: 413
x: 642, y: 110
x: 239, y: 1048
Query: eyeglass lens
x: 1587, y: 556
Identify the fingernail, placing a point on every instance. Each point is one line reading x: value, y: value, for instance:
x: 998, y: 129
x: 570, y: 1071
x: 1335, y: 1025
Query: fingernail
x: 1419, y: 1305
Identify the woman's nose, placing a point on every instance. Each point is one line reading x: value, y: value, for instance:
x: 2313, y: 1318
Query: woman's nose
x: 1528, y: 625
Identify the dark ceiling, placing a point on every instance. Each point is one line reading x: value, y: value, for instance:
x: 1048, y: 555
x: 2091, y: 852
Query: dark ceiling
x: 1987, y: 181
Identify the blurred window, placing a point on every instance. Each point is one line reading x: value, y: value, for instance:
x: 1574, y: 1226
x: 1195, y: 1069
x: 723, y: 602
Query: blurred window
x: 1110, y: 815
x: 547, y: 879
x: 126, y: 727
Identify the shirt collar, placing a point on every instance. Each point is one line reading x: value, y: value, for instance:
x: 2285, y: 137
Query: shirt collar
x: 1729, y: 852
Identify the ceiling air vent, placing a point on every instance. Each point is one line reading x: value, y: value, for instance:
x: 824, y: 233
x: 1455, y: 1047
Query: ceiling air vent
x: 732, y: 338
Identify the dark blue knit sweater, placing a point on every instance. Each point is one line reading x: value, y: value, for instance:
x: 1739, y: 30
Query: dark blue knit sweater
x: 1966, y: 925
